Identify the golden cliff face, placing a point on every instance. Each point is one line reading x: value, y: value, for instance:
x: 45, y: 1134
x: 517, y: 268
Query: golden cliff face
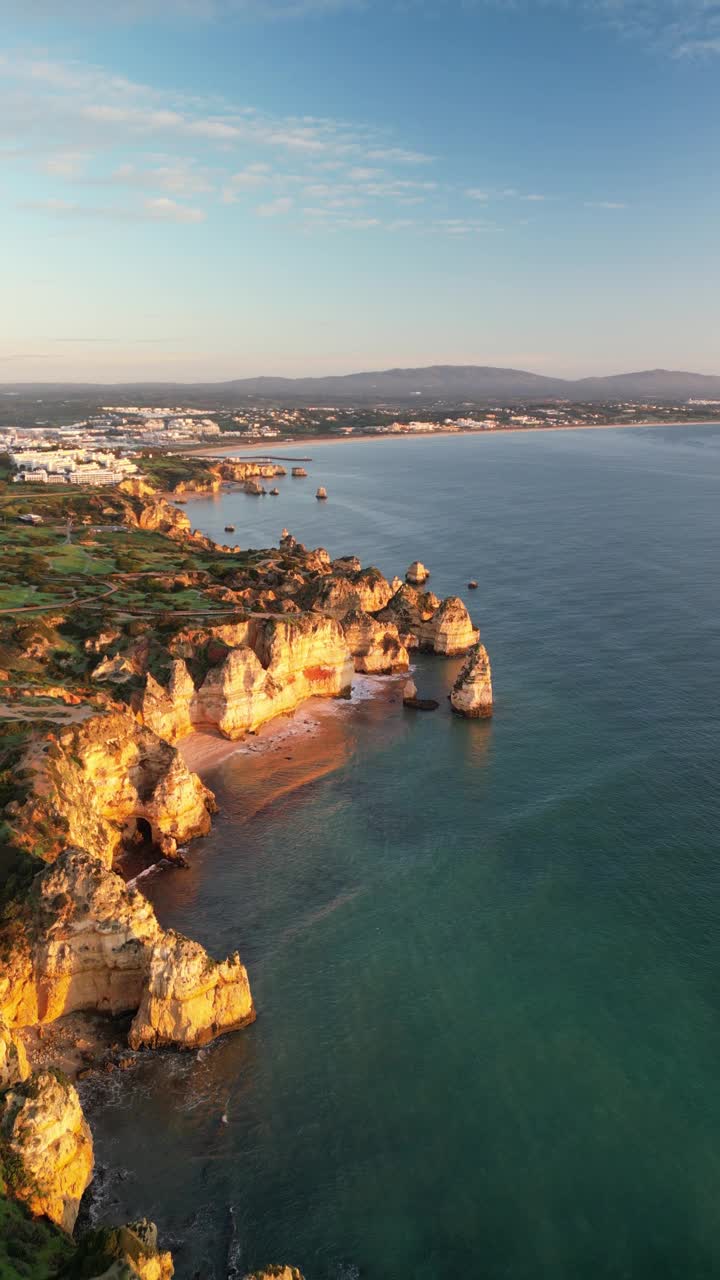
x: 472, y: 693
x: 340, y: 592
x: 117, y: 1253
x: 279, y: 664
x: 47, y: 1148
x: 429, y: 624
x: 98, y: 779
x: 90, y: 945
x: 14, y: 1066
x: 189, y: 999
x: 376, y: 647
x: 94, y: 943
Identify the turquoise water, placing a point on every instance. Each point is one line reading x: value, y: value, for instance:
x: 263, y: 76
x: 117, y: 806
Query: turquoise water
x: 486, y: 957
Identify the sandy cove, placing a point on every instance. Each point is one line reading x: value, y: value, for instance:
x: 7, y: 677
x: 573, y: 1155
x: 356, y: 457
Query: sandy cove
x: 315, y: 739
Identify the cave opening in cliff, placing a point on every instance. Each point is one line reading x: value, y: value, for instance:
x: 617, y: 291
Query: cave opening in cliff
x: 140, y: 847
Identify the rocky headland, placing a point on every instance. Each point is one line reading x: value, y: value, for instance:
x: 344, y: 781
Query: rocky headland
x: 98, y: 770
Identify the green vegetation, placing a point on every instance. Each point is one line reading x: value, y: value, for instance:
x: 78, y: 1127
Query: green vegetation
x: 170, y: 471
x: 30, y: 1249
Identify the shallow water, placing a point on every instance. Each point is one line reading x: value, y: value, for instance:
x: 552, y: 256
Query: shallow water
x: 485, y: 956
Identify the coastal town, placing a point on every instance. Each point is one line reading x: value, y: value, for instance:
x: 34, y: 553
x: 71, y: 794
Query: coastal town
x: 53, y: 446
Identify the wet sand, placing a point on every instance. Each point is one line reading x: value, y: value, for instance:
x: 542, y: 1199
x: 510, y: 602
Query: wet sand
x: 305, y: 736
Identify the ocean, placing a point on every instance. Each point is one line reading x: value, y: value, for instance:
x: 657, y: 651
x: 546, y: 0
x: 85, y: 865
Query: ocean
x: 485, y: 955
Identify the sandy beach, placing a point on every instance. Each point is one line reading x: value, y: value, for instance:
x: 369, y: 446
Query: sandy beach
x: 306, y: 442
x: 314, y: 737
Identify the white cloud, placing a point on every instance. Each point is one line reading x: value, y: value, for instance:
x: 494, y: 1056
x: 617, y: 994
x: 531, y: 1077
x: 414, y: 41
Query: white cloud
x: 274, y: 208
x: 164, y: 209
x: 66, y: 164
x: 159, y: 209
x: 605, y: 204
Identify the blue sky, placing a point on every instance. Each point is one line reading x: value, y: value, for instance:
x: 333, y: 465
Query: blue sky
x: 211, y: 188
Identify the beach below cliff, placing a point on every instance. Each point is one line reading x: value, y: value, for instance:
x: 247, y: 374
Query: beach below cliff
x: 314, y: 740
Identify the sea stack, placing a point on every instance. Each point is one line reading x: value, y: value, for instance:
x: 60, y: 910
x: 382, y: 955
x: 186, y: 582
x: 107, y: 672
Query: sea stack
x: 417, y: 573
x: 411, y: 699
x: 321, y: 494
x: 274, y: 493
x: 472, y: 692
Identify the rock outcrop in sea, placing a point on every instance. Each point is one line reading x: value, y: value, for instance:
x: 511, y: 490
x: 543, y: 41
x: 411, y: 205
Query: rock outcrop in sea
x: 472, y: 693
x: 417, y: 574
x: 426, y: 623
x: 188, y: 999
x: 47, y: 1150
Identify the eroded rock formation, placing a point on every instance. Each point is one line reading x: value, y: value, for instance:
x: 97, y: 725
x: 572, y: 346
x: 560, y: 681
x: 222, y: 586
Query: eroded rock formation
x: 375, y: 646
x: 14, y: 1066
x: 272, y: 665
x: 92, y: 942
x: 97, y: 780
x: 424, y: 622
x: 472, y: 693
x: 47, y: 1151
x: 417, y: 573
x: 119, y: 1253
x: 336, y: 594
x: 275, y: 1273
x: 188, y: 998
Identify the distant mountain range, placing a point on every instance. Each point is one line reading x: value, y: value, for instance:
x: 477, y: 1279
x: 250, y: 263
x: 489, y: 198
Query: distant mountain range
x: 448, y: 383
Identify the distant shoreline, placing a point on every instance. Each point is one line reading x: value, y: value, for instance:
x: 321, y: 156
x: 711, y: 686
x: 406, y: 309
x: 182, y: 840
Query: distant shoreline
x: 309, y: 441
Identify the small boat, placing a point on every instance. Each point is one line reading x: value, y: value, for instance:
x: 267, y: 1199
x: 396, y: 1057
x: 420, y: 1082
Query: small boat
x: 472, y: 585
x: 229, y: 528
x: 299, y: 471
x: 321, y: 494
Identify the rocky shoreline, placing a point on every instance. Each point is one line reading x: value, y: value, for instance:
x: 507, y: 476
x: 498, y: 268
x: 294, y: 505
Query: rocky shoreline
x: 76, y: 938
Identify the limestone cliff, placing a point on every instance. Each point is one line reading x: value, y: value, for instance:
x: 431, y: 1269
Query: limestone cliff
x: 122, y: 1253
x: 14, y: 1066
x: 375, y: 646
x: 277, y: 1272
x: 96, y: 780
x: 93, y: 942
x: 426, y: 623
x: 161, y: 517
x: 277, y: 664
x: 472, y: 693
x: 450, y: 630
x: 338, y: 593
x: 46, y: 1151
x: 188, y: 998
